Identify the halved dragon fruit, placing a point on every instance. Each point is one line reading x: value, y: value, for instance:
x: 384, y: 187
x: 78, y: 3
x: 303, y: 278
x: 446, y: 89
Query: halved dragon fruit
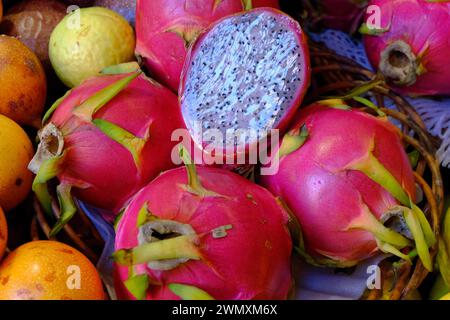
x: 106, y: 139
x: 410, y: 46
x: 347, y: 179
x: 244, y: 77
x: 203, y: 233
x: 166, y: 28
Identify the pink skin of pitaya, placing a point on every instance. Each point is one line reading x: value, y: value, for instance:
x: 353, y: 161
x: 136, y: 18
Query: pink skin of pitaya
x: 106, y: 139
x: 342, y: 15
x: 349, y: 174
x: 229, y: 240
x: 232, y: 81
x: 411, y: 48
x: 166, y: 28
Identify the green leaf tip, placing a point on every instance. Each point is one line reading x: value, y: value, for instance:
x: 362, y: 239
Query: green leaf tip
x: 414, y: 157
x: 293, y: 141
x: 371, y: 224
x: 48, y: 170
x: 54, y: 106
x: 375, y: 170
x: 370, y: 105
x: 358, y: 91
x: 67, y: 207
x: 194, y: 185
x: 138, y: 285
x: 88, y: 108
x: 133, y: 144
x: 247, y: 4
x: 335, y: 103
x: 172, y: 248
x: 187, y: 292
x: 366, y: 30
x: 187, y: 32
x: 422, y: 247
x: 144, y: 216
x: 127, y: 67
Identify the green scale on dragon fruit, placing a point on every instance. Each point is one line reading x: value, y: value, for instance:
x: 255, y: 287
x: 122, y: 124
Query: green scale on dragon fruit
x: 244, y: 76
x: 104, y: 140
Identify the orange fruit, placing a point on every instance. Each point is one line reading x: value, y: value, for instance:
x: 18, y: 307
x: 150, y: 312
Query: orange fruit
x: 3, y: 233
x: 49, y: 270
x: 16, y: 151
x: 24, y: 87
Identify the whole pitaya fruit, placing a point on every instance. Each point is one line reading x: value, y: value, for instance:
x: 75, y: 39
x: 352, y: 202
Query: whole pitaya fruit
x: 106, y: 139
x: 410, y: 45
x: 342, y: 15
x: 166, y: 28
x: 201, y: 235
x: 347, y: 179
x: 243, y: 79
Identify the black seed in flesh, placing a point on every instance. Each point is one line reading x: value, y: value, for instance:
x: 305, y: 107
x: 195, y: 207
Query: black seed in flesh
x: 245, y: 72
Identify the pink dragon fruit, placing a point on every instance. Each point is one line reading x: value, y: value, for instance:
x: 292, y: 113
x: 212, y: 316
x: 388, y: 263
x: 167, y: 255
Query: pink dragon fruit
x: 106, y: 139
x: 166, y: 28
x: 345, y: 176
x: 410, y: 45
x: 342, y: 15
x: 243, y: 78
x: 206, y: 234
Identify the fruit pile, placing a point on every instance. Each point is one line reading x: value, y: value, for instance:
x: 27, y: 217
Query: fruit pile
x: 190, y: 126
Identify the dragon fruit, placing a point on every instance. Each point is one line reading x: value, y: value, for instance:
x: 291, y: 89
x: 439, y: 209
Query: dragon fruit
x: 342, y: 15
x: 203, y: 233
x: 166, y: 28
x: 347, y: 179
x: 243, y: 79
x: 410, y: 45
x: 106, y: 139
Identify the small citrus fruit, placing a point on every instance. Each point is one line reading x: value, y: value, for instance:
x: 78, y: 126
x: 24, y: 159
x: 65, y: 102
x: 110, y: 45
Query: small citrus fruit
x: 24, y: 87
x: 16, y: 151
x: 49, y: 270
x: 88, y: 40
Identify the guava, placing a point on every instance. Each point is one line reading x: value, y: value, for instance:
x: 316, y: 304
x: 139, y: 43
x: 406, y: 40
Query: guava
x: 88, y: 40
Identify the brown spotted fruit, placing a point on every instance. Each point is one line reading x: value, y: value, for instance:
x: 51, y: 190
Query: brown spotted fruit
x: 32, y: 22
x: 16, y: 152
x: 49, y: 270
x: 23, y: 84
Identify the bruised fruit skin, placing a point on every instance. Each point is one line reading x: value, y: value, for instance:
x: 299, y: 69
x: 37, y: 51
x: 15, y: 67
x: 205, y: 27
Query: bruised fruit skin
x: 3, y: 233
x: 107, y: 139
x: 348, y: 173
x: 16, y: 152
x: 229, y: 240
x: 24, y: 88
x: 411, y: 48
x: 165, y: 30
x: 88, y: 40
x: 232, y: 80
x: 32, y: 23
x: 49, y: 270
